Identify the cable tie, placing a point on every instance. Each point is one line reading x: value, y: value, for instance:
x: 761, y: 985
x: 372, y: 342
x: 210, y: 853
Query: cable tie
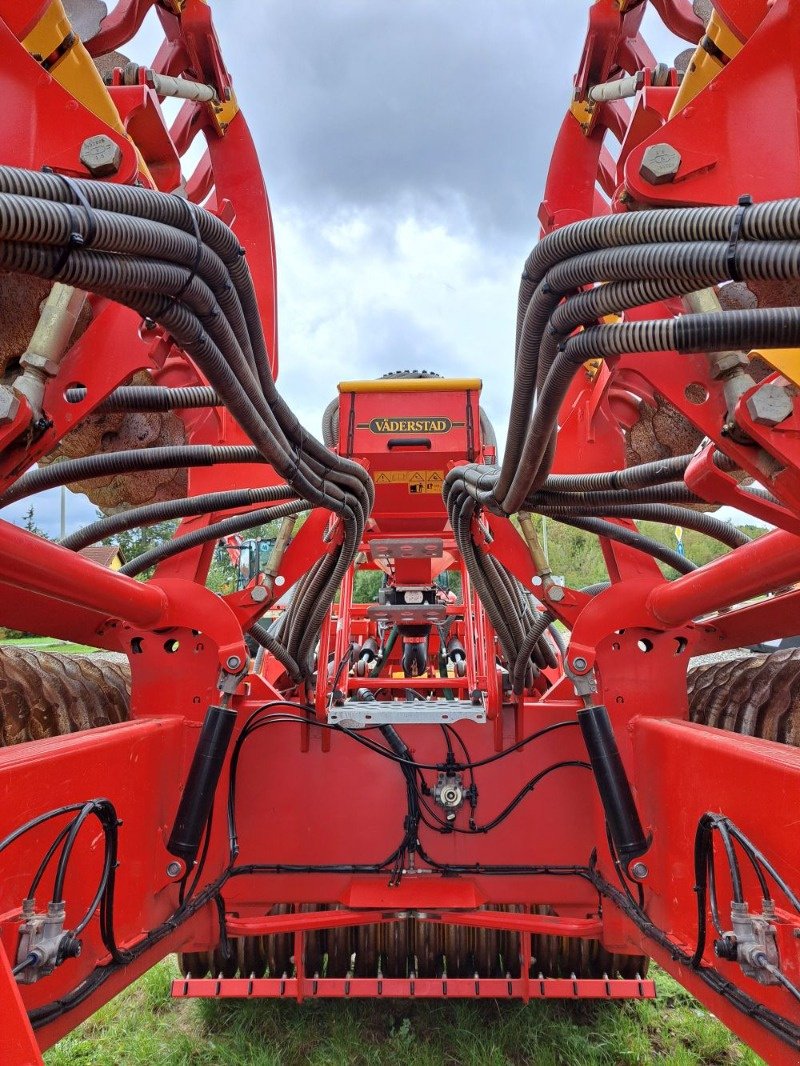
x: 197, y: 255
x: 297, y: 452
x: 731, y: 259
x: 76, y: 239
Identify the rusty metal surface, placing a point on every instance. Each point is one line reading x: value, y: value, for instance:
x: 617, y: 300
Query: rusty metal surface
x: 756, y: 695
x: 46, y: 694
x: 117, y: 432
x: 661, y: 431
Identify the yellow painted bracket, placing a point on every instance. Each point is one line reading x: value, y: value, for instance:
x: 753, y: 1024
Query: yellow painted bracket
x: 785, y: 360
x: 222, y: 114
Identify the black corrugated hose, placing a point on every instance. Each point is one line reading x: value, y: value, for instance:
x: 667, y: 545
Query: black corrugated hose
x: 180, y: 266
x: 630, y: 260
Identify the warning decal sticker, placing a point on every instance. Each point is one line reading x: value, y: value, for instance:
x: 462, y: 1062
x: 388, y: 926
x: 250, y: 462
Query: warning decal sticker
x: 418, y: 481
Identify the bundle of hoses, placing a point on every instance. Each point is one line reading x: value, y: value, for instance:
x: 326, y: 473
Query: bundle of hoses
x: 572, y: 280
x: 180, y: 266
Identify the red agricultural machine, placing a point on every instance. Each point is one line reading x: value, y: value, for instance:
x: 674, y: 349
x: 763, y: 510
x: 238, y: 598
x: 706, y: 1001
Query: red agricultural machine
x: 482, y: 783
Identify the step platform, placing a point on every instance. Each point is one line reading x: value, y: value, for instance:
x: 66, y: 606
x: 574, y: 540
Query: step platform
x: 359, y: 714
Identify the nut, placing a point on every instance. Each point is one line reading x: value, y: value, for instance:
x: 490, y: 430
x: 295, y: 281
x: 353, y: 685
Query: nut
x: 41, y: 363
x: 769, y: 406
x: 9, y: 405
x: 660, y: 164
x: 101, y: 156
x: 727, y: 363
x: 258, y: 594
x: 555, y: 593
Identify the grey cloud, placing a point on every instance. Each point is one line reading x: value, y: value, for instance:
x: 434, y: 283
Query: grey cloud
x: 368, y: 103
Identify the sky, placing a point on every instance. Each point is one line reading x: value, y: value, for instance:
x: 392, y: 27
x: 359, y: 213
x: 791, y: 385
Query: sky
x: 404, y: 148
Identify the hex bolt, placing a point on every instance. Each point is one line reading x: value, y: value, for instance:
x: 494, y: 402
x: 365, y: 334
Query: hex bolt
x: 258, y: 594
x: 233, y: 662
x: 173, y: 869
x: 660, y: 164
x: 639, y: 871
x: 101, y: 156
x: 579, y: 663
x: 555, y: 593
x: 770, y: 406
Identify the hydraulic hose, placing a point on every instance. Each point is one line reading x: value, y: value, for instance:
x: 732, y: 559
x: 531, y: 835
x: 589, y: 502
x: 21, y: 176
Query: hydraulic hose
x: 266, y: 639
x: 107, y: 464
x: 151, y: 513
x: 630, y: 538
x: 227, y: 527
x: 149, y: 398
x: 181, y: 267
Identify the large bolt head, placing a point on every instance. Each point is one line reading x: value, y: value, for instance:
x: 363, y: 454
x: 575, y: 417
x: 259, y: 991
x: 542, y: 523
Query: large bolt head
x: 769, y: 406
x: 9, y: 405
x: 101, y: 156
x: 660, y: 164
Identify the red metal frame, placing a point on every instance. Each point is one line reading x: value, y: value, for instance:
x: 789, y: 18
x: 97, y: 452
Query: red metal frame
x: 309, y: 797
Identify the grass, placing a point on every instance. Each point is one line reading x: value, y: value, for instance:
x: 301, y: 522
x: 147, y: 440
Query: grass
x: 144, y: 1026
x: 65, y: 647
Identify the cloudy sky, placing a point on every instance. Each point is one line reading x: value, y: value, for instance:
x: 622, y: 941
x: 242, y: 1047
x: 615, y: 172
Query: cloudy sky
x: 404, y: 148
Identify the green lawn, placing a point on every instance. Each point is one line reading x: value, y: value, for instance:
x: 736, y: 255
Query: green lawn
x: 47, y: 644
x: 144, y: 1026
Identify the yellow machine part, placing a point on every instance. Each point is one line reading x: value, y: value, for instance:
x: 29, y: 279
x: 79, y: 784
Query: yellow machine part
x: 785, y: 360
x: 705, y: 64
x: 74, y: 69
x: 413, y: 385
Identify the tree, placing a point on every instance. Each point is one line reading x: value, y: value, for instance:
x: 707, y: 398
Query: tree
x: 134, y: 542
x: 29, y: 523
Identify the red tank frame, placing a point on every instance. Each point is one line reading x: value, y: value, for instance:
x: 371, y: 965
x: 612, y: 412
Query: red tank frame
x: 302, y: 791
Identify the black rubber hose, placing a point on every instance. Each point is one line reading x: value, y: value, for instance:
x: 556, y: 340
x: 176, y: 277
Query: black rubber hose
x: 112, y: 270
x: 665, y: 513
x: 107, y: 464
x: 149, y: 398
x: 765, y: 327
x: 632, y: 477
x: 668, y: 492
x: 227, y: 527
x: 220, y: 343
x: 536, y: 632
x: 274, y: 647
x: 630, y: 538
x: 150, y: 513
